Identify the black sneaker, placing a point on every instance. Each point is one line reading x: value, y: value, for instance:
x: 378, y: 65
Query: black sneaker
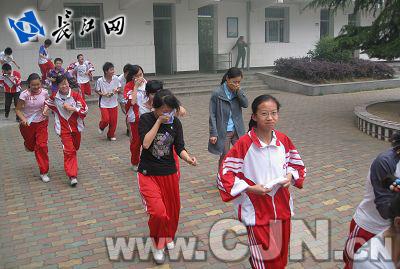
x: 127, y: 132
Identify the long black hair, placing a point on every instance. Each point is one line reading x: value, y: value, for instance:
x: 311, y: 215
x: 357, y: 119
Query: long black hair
x: 166, y: 97
x: 395, y: 140
x: 153, y: 86
x: 133, y: 70
x: 33, y: 76
x: 254, y: 106
x: 232, y: 72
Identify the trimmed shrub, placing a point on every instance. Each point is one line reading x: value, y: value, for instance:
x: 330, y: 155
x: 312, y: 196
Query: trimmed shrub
x: 328, y: 49
x: 319, y: 71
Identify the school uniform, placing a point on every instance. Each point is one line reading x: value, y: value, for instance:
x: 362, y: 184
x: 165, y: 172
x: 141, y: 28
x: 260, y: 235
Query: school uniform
x: 373, y: 214
x: 158, y: 178
x: 6, y: 58
x: 12, y: 89
x: 45, y: 64
x: 121, y: 98
x: 374, y: 255
x: 35, y: 134
x: 108, y: 105
x: 81, y: 77
x: 132, y: 117
x: 54, y: 73
x: 69, y: 125
x: 267, y: 217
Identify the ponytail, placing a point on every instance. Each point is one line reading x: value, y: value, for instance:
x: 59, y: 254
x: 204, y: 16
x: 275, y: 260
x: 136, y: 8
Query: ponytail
x: 395, y: 140
x: 232, y: 72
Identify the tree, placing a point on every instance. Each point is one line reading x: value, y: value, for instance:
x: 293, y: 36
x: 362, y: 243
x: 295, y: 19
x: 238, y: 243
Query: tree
x: 379, y: 40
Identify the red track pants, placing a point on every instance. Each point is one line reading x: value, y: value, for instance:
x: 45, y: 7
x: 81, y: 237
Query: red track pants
x: 35, y: 139
x: 71, y: 143
x: 85, y: 89
x: 269, y: 244
x: 45, y: 68
x: 357, y: 237
x: 109, y: 117
x: 135, y: 143
x: 160, y: 196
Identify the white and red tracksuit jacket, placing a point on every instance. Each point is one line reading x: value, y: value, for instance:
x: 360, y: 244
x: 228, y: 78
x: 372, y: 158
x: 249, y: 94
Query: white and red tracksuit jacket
x: 13, y: 84
x: 132, y: 111
x: 66, y: 121
x: 73, y: 68
x: 252, y: 162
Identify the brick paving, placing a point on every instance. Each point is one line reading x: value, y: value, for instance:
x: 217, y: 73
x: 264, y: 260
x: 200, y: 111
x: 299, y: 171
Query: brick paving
x: 54, y: 226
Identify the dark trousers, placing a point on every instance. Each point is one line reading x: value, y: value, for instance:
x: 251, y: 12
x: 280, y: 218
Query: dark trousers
x: 9, y: 98
x: 240, y: 56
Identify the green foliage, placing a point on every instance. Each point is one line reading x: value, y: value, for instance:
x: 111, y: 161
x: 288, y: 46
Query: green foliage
x: 381, y: 39
x: 328, y: 49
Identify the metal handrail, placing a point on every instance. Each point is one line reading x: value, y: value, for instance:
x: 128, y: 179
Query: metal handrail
x: 222, y: 58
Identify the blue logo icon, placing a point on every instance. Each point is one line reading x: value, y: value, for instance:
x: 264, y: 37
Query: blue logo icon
x: 26, y: 27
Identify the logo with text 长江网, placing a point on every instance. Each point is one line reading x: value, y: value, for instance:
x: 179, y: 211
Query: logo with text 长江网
x: 27, y: 27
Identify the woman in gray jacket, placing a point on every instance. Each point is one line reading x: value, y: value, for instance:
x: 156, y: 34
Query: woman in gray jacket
x: 226, y: 121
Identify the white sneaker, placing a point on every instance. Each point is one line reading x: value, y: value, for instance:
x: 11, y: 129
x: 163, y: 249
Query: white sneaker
x: 73, y: 182
x: 45, y: 178
x: 100, y: 131
x: 159, y: 256
x: 134, y: 168
x: 170, y: 245
x: 113, y: 139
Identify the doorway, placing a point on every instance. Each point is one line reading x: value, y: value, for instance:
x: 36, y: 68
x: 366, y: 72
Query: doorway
x: 162, y: 14
x: 206, y: 38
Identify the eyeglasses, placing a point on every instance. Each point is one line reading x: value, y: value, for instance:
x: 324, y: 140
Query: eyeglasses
x: 236, y: 82
x: 267, y: 114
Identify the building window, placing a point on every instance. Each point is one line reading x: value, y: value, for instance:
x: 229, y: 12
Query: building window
x: 277, y: 24
x: 94, y: 39
x: 326, y: 23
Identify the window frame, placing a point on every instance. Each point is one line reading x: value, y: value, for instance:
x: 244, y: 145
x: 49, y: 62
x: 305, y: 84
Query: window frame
x: 76, y: 36
x: 283, y: 25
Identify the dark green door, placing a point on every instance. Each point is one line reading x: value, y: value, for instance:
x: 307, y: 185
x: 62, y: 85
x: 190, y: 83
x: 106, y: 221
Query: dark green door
x: 163, y: 38
x: 206, y: 38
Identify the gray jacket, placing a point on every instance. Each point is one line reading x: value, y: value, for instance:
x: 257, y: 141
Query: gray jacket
x: 220, y: 106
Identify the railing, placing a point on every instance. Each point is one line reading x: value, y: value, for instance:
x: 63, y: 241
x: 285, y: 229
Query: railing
x: 222, y: 61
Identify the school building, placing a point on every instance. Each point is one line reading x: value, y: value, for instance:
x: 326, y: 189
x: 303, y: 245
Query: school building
x: 169, y: 36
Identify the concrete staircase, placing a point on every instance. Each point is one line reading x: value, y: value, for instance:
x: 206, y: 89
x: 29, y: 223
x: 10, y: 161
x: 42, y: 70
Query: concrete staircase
x: 187, y: 84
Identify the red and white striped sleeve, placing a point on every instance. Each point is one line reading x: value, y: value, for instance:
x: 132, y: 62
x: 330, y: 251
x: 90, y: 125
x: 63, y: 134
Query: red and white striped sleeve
x: 82, y: 107
x: 17, y: 78
x: 295, y: 164
x: 90, y: 66
x: 49, y: 102
x: 230, y: 180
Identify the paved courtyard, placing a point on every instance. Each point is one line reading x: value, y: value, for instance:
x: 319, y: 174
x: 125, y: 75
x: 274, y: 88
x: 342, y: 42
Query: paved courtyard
x: 54, y: 226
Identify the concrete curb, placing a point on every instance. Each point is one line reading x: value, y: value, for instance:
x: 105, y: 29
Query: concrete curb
x: 374, y: 125
x: 294, y: 86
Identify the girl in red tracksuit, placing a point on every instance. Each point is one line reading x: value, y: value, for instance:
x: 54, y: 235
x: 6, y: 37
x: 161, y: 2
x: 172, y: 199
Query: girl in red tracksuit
x: 69, y: 111
x: 158, y: 178
x: 134, y: 94
x: 256, y: 174
x: 33, y: 122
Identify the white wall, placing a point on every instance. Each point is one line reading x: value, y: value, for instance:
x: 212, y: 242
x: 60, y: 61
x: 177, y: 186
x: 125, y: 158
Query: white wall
x: 187, y: 45
x: 137, y: 45
x: 303, y: 34
x: 226, y: 10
